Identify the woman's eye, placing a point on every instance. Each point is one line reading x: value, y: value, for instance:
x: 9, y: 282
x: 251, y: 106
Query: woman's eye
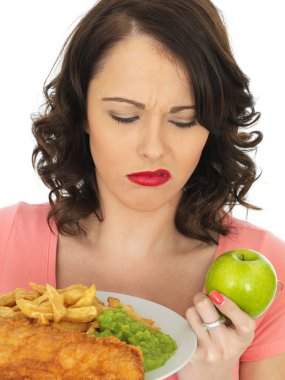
x: 185, y: 125
x: 125, y: 121
x: 130, y: 120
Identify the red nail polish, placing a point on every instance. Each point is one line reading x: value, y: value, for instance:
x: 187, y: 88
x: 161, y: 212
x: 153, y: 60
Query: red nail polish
x: 216, y: 297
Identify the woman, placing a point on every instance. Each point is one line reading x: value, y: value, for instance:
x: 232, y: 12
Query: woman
x: 143, y: 144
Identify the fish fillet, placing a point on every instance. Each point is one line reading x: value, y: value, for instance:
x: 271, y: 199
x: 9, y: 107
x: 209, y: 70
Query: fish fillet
x: 33, y: 352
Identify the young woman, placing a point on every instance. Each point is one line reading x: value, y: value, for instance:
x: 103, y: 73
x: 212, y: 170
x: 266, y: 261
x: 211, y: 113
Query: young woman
x: 144, y: 146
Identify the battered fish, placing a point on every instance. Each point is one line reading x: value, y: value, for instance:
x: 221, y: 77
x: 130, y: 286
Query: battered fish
x: 33, y: 352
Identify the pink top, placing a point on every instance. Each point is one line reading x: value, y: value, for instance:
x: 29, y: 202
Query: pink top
x: 28, y: 253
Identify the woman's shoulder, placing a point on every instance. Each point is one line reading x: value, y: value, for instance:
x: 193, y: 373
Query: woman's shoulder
x: 23, y: 218
x: 23, y: 209
x: 244, y: 226
x: 254, y: 234
x: 269, y: 339
x: 27, y: 246
x: 244, y: 234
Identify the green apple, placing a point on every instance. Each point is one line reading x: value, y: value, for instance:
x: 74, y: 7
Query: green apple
x: 246, y: 277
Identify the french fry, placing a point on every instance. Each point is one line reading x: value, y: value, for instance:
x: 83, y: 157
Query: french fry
x: 35, y: 311
x: 72, y: 293
x: 73, y: 287
x: 100, y: 308
x: 6, y: 312
x: 98, y: 301
x: 45, y: 303
x: 87, y: 299
x: 42, y: 320
x: 71, y: 326
x: 81, y: 314
x: 39, y: 288
x: 41, y: 300
x: 93, y: 324
x: 92, y: 327
x: 56, y: 301
x: 25, y: 294
x: 7, y: 299
x: 91, y: 331
x: 113, y: 302
x: 74, y: 308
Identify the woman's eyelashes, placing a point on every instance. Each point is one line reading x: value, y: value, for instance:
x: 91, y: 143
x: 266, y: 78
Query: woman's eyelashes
x: 125, y: 121
x: 134, y: 118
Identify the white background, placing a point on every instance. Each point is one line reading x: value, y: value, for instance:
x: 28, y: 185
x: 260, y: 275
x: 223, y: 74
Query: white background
x: 31, y: 35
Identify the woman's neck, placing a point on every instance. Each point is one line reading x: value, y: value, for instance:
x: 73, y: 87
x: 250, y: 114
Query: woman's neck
x: 131, y: 232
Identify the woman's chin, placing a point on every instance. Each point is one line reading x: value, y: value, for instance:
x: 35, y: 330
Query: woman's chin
x: 150, y: 203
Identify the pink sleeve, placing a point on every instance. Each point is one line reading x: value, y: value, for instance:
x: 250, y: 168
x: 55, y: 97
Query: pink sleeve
x: 27, y: 246
x: 7, y: 216
x: 269, y: 337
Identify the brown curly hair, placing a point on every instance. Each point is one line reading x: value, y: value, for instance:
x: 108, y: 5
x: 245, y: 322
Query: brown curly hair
x: 190, y: 32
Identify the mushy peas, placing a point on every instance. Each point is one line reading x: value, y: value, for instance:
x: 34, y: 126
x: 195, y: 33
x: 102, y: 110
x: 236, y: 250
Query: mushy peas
x: 156, y: 347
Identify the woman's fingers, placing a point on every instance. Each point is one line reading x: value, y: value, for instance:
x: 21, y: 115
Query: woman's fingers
x: 205, y: 308
x: 205, y: 311
x: 242, y: 322
x: 219, y: 347
x: 202, y: 312
x: 208, y: 313
x: 196, y: 324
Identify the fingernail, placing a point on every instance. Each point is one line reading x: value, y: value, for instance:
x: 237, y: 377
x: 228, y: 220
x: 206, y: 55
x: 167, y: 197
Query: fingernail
x: 216, y: 297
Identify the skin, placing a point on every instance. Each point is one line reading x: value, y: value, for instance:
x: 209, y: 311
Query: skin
x: 149, y: 143
x: 138, y: 225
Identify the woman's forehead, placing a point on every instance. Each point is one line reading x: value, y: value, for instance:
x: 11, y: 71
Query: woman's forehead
x: 136, y: 65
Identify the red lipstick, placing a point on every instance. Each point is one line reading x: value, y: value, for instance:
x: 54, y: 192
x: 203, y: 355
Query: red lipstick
x: 155, y: 178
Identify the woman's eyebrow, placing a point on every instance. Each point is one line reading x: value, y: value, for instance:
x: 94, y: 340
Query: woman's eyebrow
x: 142, y: 106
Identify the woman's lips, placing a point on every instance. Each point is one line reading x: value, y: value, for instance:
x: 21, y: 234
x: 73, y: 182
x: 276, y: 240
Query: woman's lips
x: 155, y: 178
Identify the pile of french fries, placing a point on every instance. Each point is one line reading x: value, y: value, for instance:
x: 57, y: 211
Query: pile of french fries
x: 75, y: 308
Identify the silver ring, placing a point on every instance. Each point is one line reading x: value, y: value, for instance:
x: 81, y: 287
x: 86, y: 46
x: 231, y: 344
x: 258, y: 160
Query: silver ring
x: 209, y: 326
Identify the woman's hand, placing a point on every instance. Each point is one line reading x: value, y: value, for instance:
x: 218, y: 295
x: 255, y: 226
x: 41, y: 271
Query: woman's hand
x: 219, y: 348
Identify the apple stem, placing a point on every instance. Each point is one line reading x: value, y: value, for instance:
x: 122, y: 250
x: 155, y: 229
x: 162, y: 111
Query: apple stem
x: 242, y: 257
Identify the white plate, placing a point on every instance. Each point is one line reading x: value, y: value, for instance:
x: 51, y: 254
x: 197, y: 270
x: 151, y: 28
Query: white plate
x: 170, y: 323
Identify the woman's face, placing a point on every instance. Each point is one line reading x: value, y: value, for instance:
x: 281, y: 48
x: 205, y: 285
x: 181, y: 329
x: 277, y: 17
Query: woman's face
x: 136, y: 71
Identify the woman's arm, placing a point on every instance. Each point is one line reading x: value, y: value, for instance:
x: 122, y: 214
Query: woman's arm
x: 271, y: 368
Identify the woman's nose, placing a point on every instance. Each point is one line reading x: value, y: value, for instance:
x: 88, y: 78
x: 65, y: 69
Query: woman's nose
x: 152, y: 145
